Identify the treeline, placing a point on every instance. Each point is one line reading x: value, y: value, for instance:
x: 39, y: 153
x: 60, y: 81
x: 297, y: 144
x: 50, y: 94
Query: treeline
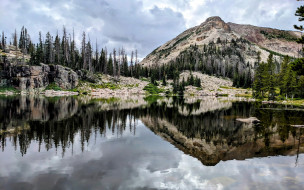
x: 287, y: 83
x: 223, y: 59
x: 179, y: 86
x: 62, y: 50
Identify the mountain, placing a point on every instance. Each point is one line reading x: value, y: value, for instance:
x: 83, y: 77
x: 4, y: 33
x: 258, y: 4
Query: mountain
x: 235, y: 43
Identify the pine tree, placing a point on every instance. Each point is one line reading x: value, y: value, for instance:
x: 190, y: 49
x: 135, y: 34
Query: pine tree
x: 131, y: 64
x: 15, y: 43
x: 197, y: 82
x: 3, y: 41
x: 88, y: 55
x: 39, y: 51
x: 191, y: 79
x: 110, y: 65
x: 293, y: 84
x: 300, y: 86
x: 114, y: 63
x: 65, y: 49
x: 300, y: 13
x: 102, y: 62
x: 49, y: 48
x: 164, y: 83
x: 270, y: 77
x: 57, y: 50
x: 271, y: 93
x: 125, y: 66
x: 259, y: 81
x: 282, y: 75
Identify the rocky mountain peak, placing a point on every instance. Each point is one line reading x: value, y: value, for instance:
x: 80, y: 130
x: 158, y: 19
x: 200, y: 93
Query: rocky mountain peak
x: 214, y: 19
x: 215, y: 22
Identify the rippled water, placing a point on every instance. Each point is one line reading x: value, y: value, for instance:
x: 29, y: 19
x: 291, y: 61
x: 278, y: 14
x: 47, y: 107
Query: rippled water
x: 82, y: 143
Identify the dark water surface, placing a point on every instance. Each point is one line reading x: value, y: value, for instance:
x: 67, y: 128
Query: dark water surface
x: 80, y: 143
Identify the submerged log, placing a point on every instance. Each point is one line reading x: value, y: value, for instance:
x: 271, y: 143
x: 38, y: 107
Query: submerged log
x: 253, y: 120
x: 298, y: 126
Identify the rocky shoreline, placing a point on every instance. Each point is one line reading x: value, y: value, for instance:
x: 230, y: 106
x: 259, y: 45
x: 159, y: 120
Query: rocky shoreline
x: 36, y: 80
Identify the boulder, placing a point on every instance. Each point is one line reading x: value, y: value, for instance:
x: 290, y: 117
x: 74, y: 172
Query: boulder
x: 64, y: 77
x: 87, y: 76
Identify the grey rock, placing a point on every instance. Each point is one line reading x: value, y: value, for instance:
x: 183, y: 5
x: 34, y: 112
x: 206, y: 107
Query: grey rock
x: 26, y: 77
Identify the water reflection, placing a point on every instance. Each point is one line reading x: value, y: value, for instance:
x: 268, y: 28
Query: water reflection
x: 83, y: 143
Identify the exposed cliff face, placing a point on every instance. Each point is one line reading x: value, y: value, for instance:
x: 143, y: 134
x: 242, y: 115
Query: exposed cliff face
x: 26, y: 77
x: 214, y: 29
x: 275, y: 40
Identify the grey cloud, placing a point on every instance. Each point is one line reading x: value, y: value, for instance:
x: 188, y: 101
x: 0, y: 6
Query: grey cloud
x: 131, y: 24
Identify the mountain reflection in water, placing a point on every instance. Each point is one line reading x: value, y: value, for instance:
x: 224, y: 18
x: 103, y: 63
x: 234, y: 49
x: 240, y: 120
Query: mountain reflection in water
x: 205, y: 129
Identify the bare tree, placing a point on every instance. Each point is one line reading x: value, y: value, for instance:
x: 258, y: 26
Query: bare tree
x: 114, y: 62
x: 83, y: 51
x: 136, y: 58
x: 106, y: 61
x: 65, y: 47
x: 119, y: 63
x: 88, y: 55
x: 3, y: 41
x: 96, y: 55
x: 15, y: 43
x: 131, y: 64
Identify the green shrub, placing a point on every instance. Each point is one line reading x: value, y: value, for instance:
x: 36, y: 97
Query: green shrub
x: 53, y: 86
x: 8, y: 88
x: 152, y: 89
x: 109, y: 85
x: 151, y: 99
x: 223, y: 95
x: 279, y: 34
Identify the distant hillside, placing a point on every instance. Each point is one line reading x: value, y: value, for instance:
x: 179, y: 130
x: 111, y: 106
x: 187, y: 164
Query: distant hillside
x: 234, y: 42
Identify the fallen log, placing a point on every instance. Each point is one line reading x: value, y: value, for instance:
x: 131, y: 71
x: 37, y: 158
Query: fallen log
x: 298, y: 126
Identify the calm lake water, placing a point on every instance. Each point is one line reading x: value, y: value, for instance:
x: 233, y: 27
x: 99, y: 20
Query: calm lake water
x: 82, y: 143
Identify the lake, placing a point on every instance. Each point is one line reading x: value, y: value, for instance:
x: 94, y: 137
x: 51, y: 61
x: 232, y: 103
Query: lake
x: 148, y: 143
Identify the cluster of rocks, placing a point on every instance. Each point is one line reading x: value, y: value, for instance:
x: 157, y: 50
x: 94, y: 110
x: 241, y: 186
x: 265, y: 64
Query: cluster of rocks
x: 211, y: 85
x: 108, y: 93
x: 53, y: 93
x: 208, y: 82
x: 127, y: 86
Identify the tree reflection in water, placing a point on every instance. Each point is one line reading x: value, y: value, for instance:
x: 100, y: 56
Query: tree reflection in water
x: 205, y: 129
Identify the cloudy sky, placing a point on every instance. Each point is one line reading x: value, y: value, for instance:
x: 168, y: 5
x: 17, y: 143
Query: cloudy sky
x: 138, y: 24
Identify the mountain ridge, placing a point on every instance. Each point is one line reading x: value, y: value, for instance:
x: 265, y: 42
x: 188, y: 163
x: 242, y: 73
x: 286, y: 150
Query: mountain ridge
x: 262, y: 39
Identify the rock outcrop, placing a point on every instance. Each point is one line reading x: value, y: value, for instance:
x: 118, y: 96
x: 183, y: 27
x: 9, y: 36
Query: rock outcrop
x: 64, y: 77
x: 26, y: 77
